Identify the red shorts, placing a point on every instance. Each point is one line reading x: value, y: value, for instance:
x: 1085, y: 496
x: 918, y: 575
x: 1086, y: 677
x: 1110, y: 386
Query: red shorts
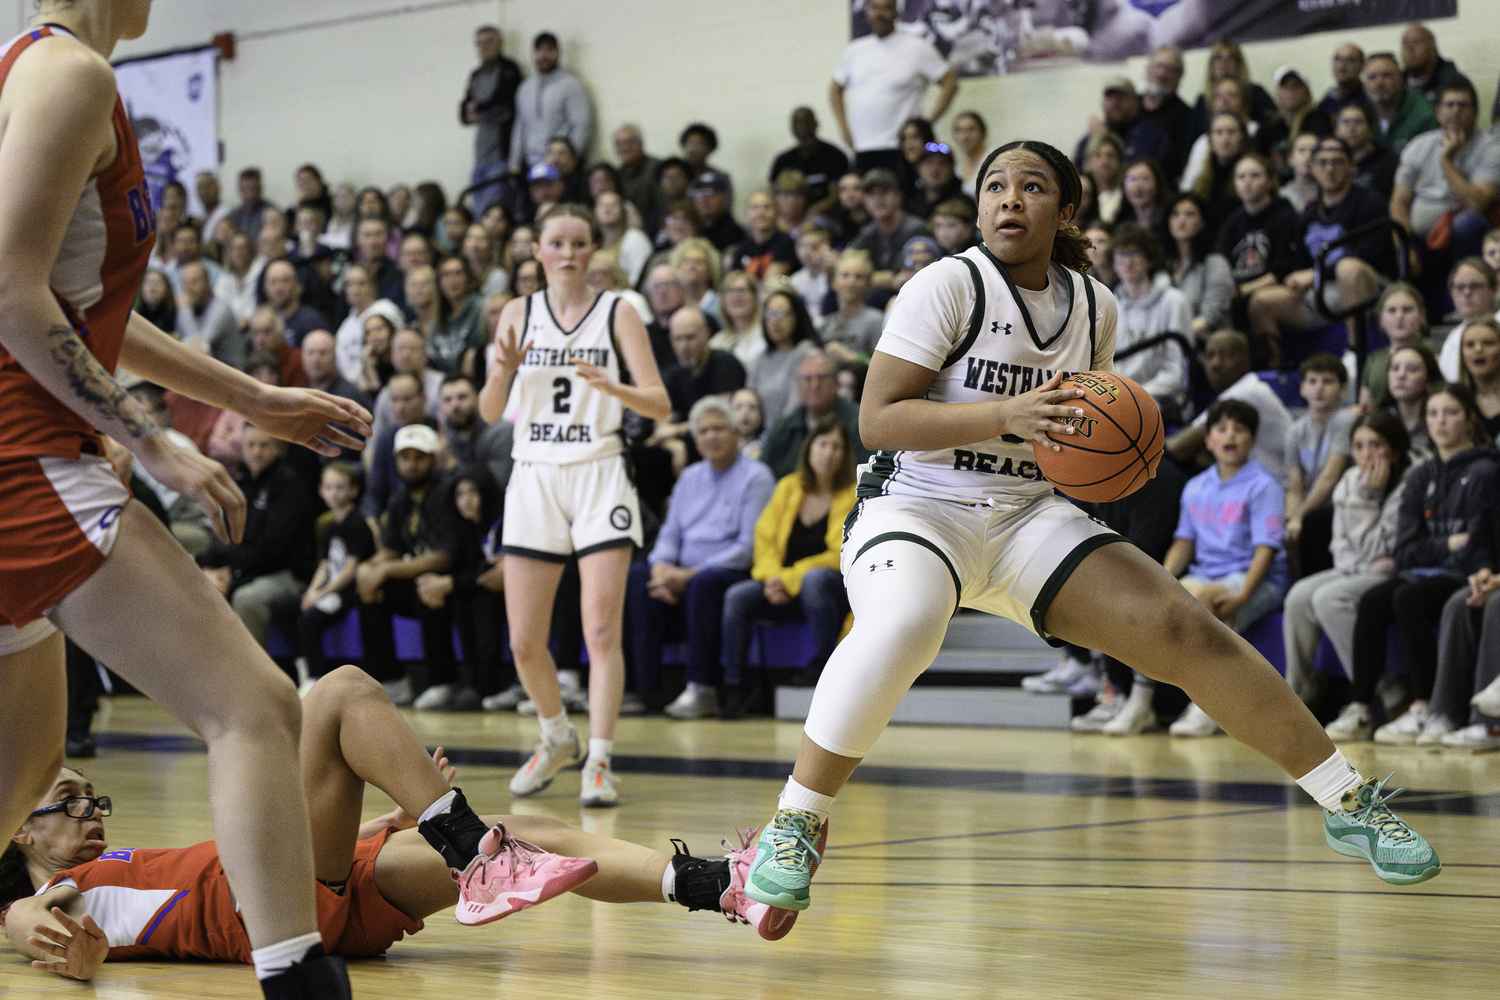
x: 59, y: 518
x: 361, y: 923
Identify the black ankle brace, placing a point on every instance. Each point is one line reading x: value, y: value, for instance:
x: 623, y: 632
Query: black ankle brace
x: 456, y: 833
x: 701, y: 882
x: 317, y: 976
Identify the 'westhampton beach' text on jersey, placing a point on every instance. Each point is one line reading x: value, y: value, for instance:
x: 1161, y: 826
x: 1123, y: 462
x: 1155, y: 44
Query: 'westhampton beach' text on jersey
x: 560, y: 419
x: 965, y: 319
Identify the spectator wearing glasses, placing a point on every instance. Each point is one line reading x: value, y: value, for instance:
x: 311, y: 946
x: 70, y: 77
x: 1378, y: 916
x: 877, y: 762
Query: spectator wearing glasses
x: 1403, y: 113
x: 1449, y: 177
x: 817, y: 390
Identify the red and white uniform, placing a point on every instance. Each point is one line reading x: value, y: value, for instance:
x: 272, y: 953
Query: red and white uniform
x: 176, y: 904
x: 58, y: 507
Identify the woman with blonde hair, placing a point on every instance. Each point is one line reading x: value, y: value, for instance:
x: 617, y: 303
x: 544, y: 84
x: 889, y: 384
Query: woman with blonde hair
x: 697, y: 265
x: 630, y: 246
x: 739, y: 318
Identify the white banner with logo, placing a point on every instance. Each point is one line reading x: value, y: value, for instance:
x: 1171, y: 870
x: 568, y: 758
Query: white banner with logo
x: 173, y: 104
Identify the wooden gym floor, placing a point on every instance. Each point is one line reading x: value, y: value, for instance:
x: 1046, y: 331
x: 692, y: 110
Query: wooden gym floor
x: 963, y: 862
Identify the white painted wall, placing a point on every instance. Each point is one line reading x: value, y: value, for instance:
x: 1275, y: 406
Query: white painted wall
x: 375, y: 100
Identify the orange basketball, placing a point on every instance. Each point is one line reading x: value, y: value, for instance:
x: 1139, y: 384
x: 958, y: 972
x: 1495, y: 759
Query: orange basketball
x: 1116, y: 445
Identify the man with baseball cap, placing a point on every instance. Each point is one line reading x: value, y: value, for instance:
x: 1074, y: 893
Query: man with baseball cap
x: 1121, y: 114
x: 888, y: 229
x: 417, y: 535
x: 710, y: 194
x: 937, y: 180
x: 1296, y: 114
x: 549, y: 104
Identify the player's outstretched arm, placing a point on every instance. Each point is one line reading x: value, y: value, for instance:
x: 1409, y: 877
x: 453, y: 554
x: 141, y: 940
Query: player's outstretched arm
x: 895, y: 413
x: 56, y: 934
x: 318, y: 420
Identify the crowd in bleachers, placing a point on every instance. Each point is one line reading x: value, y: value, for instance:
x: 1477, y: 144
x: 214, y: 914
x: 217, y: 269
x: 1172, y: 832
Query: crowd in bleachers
x: 1254, y: 239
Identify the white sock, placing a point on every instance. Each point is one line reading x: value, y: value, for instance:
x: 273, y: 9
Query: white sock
x: 569, y: 680
x: 439, y: 807
x: 278, y: 957
x: 556, y: 729
x: 601, y: 749
x: 1330, y: 780
x: 669, y: 884
x: 795, y: 796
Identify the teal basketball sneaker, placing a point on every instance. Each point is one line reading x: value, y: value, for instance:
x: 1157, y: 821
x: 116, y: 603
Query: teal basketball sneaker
x: 786, y: 855
x: 1364, y: 827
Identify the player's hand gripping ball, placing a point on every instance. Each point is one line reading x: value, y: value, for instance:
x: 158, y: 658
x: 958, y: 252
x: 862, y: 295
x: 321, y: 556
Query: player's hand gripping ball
x: 1115, y: 446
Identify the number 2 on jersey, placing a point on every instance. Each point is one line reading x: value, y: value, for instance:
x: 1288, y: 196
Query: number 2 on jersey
x: 564, y: 387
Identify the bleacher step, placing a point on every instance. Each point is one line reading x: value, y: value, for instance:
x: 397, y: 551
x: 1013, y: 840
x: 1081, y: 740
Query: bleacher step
x: 955, y: 706
x: 993, y: 661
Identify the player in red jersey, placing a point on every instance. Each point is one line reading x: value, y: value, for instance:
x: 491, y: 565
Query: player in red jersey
x: 377, y: 881
x: 76, y: 229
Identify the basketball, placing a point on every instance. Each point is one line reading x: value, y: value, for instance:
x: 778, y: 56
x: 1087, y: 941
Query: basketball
x: 1116, y: 444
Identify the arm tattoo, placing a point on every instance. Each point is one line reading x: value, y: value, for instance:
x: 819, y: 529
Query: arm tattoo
x: 92, y: 384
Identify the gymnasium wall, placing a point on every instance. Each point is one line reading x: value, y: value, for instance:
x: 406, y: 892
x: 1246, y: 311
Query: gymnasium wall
x: 368, y: 89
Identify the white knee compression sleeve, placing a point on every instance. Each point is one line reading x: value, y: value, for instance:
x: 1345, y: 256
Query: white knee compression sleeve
x: 902, y: 596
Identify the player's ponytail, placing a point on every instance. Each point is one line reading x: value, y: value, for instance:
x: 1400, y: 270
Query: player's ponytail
x: 1071, y: 248
x: 15, y: 880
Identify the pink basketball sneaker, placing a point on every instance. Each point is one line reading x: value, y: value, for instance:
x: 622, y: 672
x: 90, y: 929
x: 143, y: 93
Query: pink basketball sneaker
x: 510, y: 875
x: 771, y: 922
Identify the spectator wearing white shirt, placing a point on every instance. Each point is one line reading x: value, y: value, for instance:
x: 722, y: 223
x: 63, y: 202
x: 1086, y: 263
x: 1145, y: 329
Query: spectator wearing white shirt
x: 880, y: 82
x: 240, y: 277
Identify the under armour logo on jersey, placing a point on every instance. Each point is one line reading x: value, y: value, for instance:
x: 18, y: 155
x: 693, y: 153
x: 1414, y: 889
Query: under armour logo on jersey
x: 995, y: 328
x: 881, y: 567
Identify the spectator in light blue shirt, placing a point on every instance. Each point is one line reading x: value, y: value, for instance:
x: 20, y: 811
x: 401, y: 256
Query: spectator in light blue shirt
x: 704, y: 547
x: 1229, y: 535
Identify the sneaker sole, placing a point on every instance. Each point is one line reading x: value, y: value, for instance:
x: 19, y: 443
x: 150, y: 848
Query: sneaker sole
x: 475, y: 914
x: 1352, y: 850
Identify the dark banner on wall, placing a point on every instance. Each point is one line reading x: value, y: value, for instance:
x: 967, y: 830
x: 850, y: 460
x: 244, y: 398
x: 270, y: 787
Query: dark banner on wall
x: 991, y: 37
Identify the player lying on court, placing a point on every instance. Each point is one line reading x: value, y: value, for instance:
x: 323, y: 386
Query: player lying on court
x: 932, y: 533
x: 376, y: 882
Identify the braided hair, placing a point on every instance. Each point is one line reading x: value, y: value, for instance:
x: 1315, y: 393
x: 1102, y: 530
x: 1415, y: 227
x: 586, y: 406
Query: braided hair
x: 1071, y: 248
x: 15, y: 880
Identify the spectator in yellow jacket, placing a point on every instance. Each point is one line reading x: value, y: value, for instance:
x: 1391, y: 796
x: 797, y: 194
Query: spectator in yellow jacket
x: 795, y: 575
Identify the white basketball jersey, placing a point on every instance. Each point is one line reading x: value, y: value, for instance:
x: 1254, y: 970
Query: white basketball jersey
x: 560, y: 419
x: 964, y: 318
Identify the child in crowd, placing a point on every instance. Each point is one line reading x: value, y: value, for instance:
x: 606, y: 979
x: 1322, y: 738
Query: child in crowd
x: 1228, y: 538
x: 1317, y: 453
x: 1366, y: 502
x: 1490, y: 251
x: 952, y: 223
x: 1402, y: 316
x: 818, y: 258
x: 344, y: 541
x: 474, y: 588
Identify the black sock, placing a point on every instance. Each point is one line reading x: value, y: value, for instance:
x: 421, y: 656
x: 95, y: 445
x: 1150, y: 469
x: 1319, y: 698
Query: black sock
x: 701, y: 882
x: 316, y: 976
x: 456, y: 833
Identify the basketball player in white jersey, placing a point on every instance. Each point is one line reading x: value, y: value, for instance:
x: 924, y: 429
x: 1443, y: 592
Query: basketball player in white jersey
x: 953, y: 512
x: 568, y: 362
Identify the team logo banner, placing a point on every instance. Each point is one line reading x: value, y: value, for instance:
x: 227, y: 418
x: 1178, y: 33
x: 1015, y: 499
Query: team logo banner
x: 992, y: 37
x: 173, y: 104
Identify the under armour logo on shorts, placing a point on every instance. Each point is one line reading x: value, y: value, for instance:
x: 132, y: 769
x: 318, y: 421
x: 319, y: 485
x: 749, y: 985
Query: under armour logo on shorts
x: 881, y: 567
